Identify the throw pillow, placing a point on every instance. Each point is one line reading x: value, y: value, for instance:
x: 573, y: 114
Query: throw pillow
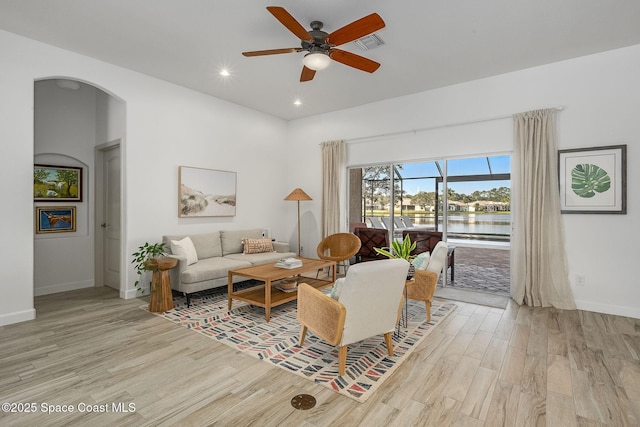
x: 421, y: 261
x: 257, y: 246
x: 337, y: 289
x: 184, y: 248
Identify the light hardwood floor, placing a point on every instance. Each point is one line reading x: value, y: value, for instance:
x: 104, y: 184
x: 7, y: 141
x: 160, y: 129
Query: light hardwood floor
x: 482, y: 367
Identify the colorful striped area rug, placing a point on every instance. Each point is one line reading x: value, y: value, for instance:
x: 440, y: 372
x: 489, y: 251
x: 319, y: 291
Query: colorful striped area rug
x: 244, y: 328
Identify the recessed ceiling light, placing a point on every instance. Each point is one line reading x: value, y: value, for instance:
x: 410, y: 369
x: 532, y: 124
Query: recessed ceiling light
x: 297, y: 102
x: 224, y: 72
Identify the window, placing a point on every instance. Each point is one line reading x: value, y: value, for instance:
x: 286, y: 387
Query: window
x: 479, y: 185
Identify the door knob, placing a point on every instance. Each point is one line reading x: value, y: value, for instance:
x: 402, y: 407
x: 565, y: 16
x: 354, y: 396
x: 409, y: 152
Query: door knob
x: 103, y: 225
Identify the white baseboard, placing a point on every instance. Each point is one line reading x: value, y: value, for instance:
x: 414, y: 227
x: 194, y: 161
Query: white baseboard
x: 131, y: 293
x: 62, y: 287
x: 17, y: 317
x: 616, y: 310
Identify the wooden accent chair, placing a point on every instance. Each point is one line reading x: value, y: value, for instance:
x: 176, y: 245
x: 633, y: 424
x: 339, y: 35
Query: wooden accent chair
x: 339, y: 247
x: 354, y: 225
x: 371, y: 238
x: 366, y: 306
x: 425, y: 280
x: 426, y: 241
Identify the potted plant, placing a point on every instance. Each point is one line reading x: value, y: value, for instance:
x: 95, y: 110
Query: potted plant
x: 145, y: 259
x: 400, y: 249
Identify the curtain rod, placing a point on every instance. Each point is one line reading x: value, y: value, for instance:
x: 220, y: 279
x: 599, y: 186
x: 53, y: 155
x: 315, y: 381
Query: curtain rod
x: 446, y: 125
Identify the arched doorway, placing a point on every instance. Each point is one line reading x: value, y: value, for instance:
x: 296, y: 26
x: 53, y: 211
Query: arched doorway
x: 74, y: 121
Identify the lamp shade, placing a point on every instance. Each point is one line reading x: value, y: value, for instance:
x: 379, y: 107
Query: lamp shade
x: 298, y: 194
x: 316, y: 60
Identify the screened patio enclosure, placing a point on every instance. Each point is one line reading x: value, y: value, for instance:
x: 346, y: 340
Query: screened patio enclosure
x: 468, y: 200
x: 477, y: 196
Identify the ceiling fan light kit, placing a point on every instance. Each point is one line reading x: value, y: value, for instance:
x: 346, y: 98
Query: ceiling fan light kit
x: 321, y: 46
x: 316, y: 60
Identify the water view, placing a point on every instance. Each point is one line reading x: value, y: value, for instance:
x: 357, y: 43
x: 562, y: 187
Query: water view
x: 462, y: 226
x: 478, y: 195
x: 498, y: 224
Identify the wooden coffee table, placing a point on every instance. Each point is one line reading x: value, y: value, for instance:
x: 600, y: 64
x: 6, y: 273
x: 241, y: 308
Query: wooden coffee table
x: 267, y: 296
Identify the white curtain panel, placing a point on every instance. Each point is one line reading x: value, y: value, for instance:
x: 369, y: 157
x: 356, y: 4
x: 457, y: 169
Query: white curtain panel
x: 539, y: 273
x: 333, y: 165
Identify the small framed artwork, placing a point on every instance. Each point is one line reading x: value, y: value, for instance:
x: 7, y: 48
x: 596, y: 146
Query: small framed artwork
x: 206, y: 192
x: 57, y: 183
x: 55, y: 219
x: 593, y: 180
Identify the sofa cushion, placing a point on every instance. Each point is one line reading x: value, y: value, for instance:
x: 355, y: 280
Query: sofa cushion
x: 207, y: 244
x: 184, y: 248
x: 257, y: 246
x: 211, y: 268
x: 231, y: 240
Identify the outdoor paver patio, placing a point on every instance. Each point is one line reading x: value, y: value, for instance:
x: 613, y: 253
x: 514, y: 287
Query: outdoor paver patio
x: 482, y: 269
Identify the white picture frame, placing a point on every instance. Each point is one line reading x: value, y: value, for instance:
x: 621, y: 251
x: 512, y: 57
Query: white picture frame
x: 593, y: 180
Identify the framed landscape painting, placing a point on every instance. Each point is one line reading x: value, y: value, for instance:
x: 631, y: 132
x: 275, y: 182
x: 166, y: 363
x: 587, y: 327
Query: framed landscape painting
x: 57, y: 183
x: 55, y: 219
x: 206, y: 192
x: 593, y: 180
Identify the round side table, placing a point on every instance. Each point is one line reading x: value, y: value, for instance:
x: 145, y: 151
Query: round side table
x: 161, y: 298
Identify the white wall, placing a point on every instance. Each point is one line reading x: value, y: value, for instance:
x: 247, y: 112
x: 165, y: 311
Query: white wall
x: 111, y: 118
x: 602, y: 98
x: 166, y: 126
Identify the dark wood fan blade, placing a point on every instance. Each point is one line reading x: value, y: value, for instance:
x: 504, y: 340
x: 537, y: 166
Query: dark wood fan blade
x: 353, y: 60
x: 355, y: 30
x: 290, y: 22
x: 307, y: 74
x: 271, y: 51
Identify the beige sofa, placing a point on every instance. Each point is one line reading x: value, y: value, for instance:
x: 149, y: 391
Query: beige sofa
x: 217, y: 253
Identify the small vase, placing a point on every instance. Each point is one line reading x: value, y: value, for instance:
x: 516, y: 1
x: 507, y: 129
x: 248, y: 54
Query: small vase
x: 411, y: 272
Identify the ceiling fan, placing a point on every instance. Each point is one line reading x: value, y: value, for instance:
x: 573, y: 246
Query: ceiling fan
x: 321, y: 45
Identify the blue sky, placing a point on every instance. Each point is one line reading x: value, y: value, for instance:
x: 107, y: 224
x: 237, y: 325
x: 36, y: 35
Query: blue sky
x: 456, y: 167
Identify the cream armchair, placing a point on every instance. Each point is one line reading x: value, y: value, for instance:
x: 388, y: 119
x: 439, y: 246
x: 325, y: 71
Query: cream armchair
x: 425, y: 280
x: 366, y: 306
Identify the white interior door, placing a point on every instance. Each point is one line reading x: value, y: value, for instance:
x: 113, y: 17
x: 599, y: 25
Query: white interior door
x: 111, y: 215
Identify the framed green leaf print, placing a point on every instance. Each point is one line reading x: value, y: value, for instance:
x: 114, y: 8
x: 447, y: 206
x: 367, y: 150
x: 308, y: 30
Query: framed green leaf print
x: 593, y: 180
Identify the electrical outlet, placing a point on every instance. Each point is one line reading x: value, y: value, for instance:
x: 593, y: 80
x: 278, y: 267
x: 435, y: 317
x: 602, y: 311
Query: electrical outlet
x: 579, y: 280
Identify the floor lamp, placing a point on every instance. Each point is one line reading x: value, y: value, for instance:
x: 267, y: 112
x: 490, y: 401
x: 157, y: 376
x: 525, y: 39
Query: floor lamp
x: 297, y: 195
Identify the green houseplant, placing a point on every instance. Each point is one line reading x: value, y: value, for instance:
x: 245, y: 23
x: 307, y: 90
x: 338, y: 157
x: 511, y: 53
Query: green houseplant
x: 400, y: 249
x: 144, y: 259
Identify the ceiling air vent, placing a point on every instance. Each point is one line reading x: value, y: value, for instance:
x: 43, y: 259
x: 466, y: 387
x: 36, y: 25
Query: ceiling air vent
x: 369, y: 42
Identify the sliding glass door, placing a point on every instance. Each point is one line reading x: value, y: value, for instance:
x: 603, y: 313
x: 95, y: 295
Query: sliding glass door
x: 468, y: 200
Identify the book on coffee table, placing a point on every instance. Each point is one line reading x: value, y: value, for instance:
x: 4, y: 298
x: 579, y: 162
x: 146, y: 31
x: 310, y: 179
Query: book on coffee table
x: 289, y: 263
